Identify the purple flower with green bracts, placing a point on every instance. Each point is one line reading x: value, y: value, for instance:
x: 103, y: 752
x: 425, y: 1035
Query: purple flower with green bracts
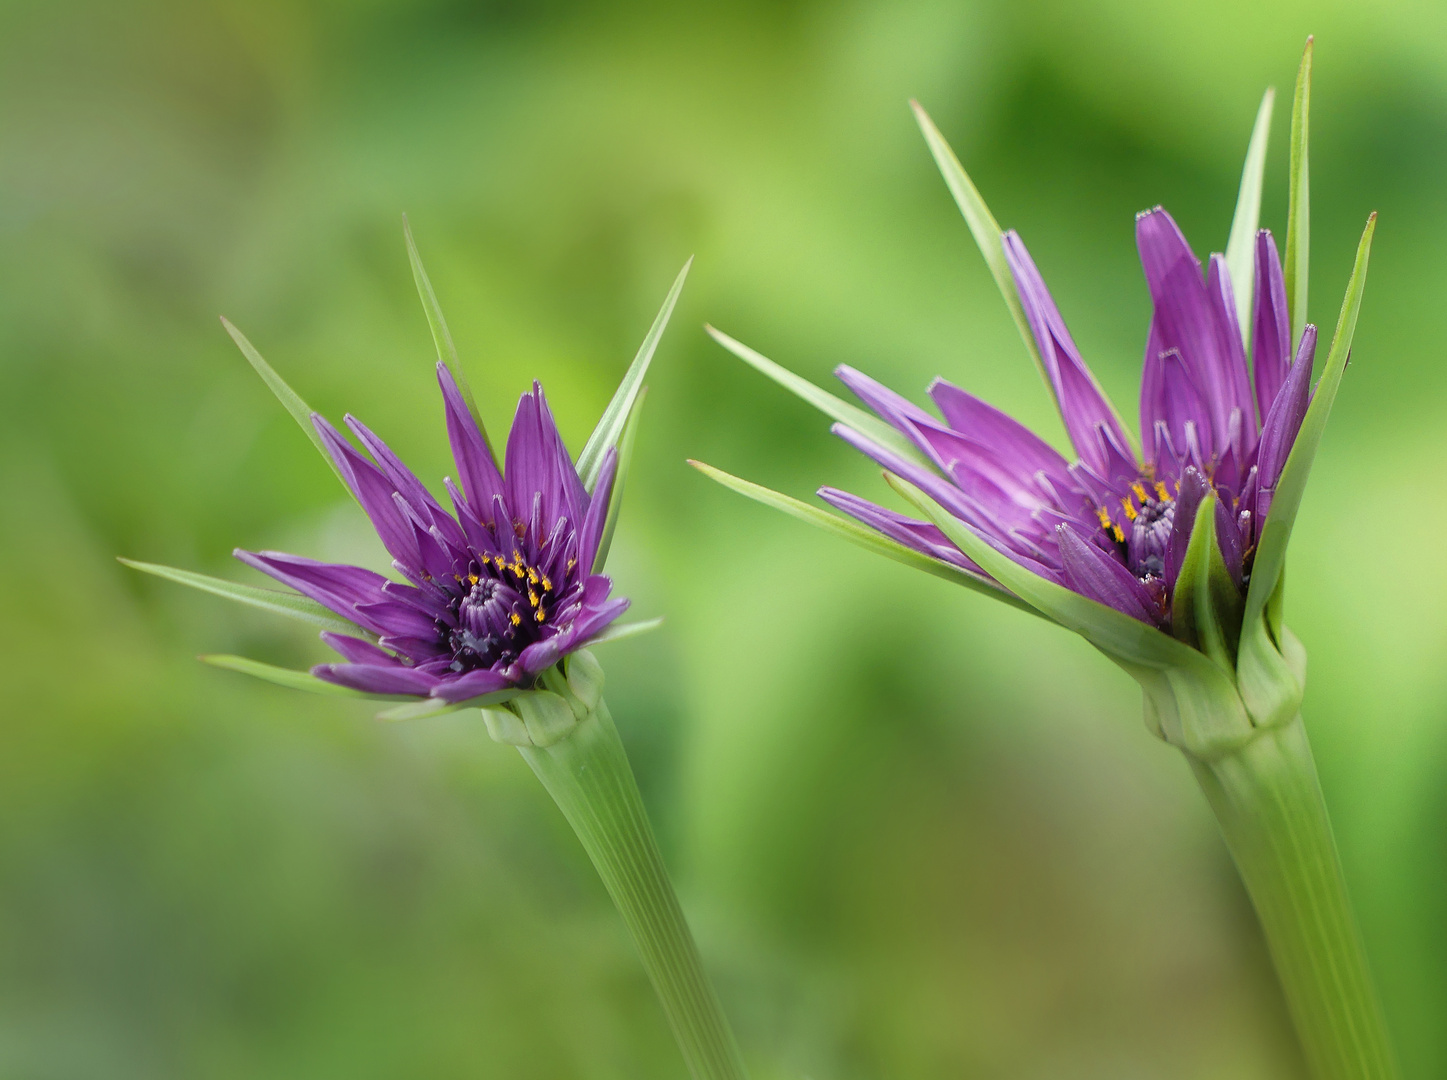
x: 495, y: 592
x: 1114, y: 524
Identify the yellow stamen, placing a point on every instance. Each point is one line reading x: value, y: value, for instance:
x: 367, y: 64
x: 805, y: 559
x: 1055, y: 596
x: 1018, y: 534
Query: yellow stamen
x: 1104, y: 516
x: 541, y: 615
x: 1119, y: 536
x: 1140, y: 491
x: 1161, y: 493
x: 472, y: 579
x: 1129, y: 507
x: 532, y: 598
x: 517, y: 620
x: 547, y: 585
x: 532, y: 575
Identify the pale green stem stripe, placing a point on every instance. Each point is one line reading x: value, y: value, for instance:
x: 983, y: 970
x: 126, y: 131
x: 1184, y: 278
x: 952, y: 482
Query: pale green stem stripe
x: 1270, y: 808
x: 589, y: 777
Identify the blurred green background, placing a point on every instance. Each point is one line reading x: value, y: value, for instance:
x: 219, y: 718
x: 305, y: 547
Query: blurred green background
x: 919, y: 835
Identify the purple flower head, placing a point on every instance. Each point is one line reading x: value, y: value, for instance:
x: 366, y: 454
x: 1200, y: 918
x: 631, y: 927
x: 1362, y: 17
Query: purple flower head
x: 496, y: 591
x: 1114, y: 524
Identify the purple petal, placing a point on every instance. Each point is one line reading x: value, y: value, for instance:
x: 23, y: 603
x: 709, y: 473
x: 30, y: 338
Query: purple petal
x: 374, y: 491
x: 538, y: 463
x: 1189, y: 493
x: 356, y: 650
x: 920, y: 536
x: 1271, y: 333
x: 591, y: 533
x: 1193, y: 319
x: 396, y: 619
x: 475, y: 465
x: 335, y: 586
x: 1236, y: 379
x: 473, y: 684
x: 988, y: 426
x: 1228, y: 536
x: 376, y: 678
x: 1282, y: 424
x: 1082, y: 403
x: 1093, y: 573
x: 884, y: 401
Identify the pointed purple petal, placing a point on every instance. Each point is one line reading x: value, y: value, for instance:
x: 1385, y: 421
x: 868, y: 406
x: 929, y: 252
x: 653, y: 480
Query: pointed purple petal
x: 1271, y: 333
x: 1093, y: 573
x: 538, y: 463
x: 356, y: 650
x: 1282, y: 424
x: 1082, y: 402
x: 338, y: 587
x: 377, y: 678
x: 475, y: 465
x: 592, y: 531
x: 1191, y: 490
x: 374, y: 491
x: 1235, y: 378
x: 988, y: 426
x: 473, y: 684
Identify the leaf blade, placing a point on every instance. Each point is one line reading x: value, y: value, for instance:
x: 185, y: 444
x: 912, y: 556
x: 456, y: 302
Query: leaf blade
x: 1271, y: 551
x: 275, y: 601
x: 858, y: 535
x: 292, y: 680
x: 851, y: 415
x: 1298, y: 211
x: 623, y: 631
x: 300, y: 411
x: 441, y: 335
x: 1240, y: 247
x: 620, y: 479
x: 615, y: 416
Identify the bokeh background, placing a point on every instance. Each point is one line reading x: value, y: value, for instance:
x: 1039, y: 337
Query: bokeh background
x: 920, y: 835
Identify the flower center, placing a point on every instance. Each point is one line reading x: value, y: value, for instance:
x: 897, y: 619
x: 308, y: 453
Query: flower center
x: 1141, y: 528
x: 502, y: 608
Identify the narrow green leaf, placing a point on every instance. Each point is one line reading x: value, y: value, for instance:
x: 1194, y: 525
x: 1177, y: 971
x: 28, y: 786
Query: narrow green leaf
x: 858, y: 534
x: 441, y: 336
x: 988, y: 236
x: 1109, y: 630
x: 863, y: 422
x: 1298, y: 210
x: 615, y: 416
x: 421, y: 709
x: 619, y: 631
x: 293, y: 680
x: 300, y: 411
x: 273, y: 600
x: 1241, y: 247
x: 620, y: 479
x: 983, y: 226
x: 1271, y: 551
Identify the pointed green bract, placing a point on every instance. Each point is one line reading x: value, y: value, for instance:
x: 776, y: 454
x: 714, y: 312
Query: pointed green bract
x: 1241, y: 247
x: 274, y: 600
x: 420, y: 710
x: 300, y: 411
x: 859, y: 535
x: 841, y: 410
x: 989, y: 237
x: 619, y: 631
x: 441, y: 336
x: 983, y: 226
x: 1271, y: 551
x: 620, y: 479
x: 292, y: 680
x: 1298, y: 211
x: 1206, y: 604
x: 615, y: 417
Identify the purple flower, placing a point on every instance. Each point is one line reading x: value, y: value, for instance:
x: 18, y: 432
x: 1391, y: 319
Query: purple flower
x: 1114, y: 524
x: 496, y: 592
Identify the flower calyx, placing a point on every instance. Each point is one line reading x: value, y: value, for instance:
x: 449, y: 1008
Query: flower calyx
x: 567, y: 695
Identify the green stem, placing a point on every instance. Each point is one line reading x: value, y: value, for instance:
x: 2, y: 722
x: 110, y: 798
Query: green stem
x: 1269, y: 804
x: 588, y: 775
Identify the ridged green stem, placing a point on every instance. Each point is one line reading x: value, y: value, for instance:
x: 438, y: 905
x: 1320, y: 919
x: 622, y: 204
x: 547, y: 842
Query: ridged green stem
x: 1269, y: 804
x: 588, y: 775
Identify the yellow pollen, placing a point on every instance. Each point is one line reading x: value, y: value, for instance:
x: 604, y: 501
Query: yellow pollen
x: 472, y: 579
x: 1161, y: 493
x: 517, y: 620
x: 532, y: 598
x: 1119, y: 536
x: 532, y: 575
x: 1140, y: 491
x: 1104, y: 516
x: 541, y: 615
x: 572, y: 563
x: 1129, y: 507
x: 547, y: 585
